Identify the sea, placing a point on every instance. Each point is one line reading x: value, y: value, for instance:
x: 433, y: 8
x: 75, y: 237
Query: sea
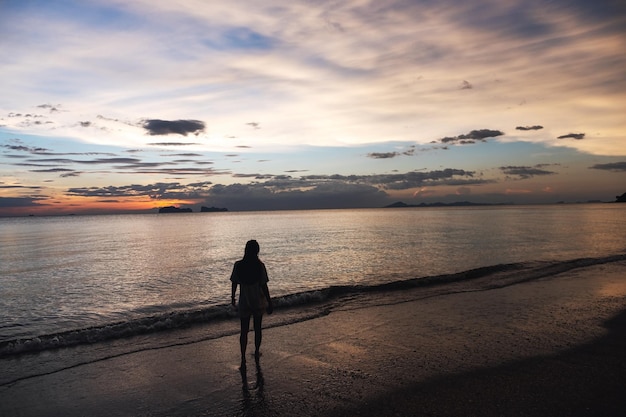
x: 74, y: 281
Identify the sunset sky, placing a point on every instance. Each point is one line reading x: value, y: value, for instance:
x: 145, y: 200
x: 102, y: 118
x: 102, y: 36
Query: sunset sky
x: 114, y: 106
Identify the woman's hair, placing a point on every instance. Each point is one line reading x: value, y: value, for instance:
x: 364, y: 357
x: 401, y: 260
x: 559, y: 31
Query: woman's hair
x: 252, y: 249
x: 250, y: 269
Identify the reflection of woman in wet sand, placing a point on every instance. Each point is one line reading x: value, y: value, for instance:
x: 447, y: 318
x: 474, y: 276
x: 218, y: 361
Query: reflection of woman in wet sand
x: 254, y: 296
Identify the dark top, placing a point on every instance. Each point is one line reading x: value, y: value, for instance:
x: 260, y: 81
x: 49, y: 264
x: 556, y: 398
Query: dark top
x: 249, y: 271
x: 250, y: 274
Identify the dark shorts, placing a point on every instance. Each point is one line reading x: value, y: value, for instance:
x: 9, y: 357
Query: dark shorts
x: 252, y: 301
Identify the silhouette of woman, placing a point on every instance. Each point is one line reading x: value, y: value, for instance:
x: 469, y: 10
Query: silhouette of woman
x: 254, y: 296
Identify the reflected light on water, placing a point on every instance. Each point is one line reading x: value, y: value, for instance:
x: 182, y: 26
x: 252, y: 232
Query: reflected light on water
x: 87, y: 269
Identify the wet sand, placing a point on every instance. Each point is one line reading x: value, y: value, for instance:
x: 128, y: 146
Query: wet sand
x: 550, y: 347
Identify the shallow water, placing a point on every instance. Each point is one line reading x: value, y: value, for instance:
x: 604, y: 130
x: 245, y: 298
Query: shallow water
x: 59, y: 274
x: 42, y: 356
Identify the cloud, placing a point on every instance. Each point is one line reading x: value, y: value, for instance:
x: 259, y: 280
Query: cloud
x: 123, y: 165
x: 525, y: 172
x: 29, y: 149
x: 191, y: 161
x: 17, y: 202
x: 613, y: 166
x: 241, y: 38
x: 52, y: 170
x: 516, y: 191
x: 35, y: 150
x: 536, y: 127
x: 410, y: 151
x: 172, y: 144
x: 577, y: 136
x: 185, y: 171
x: 284, y: 191
x: 96, y: 161
x: 13, y: 186
x: 50, y: 107
x: 343, y: 74
x: 247, y: 176
x: 360, y: 56
x: 382, y: 155
x: 179, y: 127
x: 404, y: 181
x: 471, y: 137
x: 424, y: 192
x: 323, y: 195
x: 161, y: 190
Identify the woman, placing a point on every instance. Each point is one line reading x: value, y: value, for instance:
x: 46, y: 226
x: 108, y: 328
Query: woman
x: 254, y: 296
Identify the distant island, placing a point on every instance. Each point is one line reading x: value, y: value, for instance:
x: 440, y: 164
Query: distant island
x: 621, y: 198
x: 400, y: 204
x: 212, y: 209
x: 172, y: 209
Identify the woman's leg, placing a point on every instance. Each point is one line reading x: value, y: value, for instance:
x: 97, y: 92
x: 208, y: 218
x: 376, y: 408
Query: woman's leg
x: 243, y: 337
x: 258, y: 336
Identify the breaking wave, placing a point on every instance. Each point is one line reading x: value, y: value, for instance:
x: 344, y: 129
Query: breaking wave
x: 494, y: 276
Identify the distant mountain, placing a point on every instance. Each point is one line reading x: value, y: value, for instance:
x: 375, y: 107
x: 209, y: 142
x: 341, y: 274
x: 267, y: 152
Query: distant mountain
x: 172, y: 209
x: 621, y: 198
x: 400, y: 204
x: 212, y: 209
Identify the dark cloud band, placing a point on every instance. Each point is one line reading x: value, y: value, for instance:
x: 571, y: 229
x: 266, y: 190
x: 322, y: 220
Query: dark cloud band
x: 157, y: 127
x: 536, y: 127
x: 524, y: 172
x: 613, y: 166
x: 471, y: 137
x: 577, y: 136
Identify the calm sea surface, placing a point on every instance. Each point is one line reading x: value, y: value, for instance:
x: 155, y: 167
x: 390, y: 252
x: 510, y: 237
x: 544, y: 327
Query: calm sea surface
x: 64, y: 273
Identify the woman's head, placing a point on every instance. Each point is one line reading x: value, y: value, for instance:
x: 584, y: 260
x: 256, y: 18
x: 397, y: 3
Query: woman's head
x: 252, y: 249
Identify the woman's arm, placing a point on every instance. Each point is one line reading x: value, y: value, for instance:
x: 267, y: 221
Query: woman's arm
x: 264, y: 288
x: 266, y: 293
x: 234, y: 278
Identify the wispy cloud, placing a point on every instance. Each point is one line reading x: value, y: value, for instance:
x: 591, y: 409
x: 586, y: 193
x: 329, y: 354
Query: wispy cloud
x: 336, y: 90
x: 172, y: 143
x: 21, y: 202
x: 382, y: 155
x: 577, y: 136
x: 525, y: 172
x: 278, y: 64
x: 271, y: 184
x: 173, y: 190
x: 613, y: 166
x: 526, y: 128
x: 472, y: 137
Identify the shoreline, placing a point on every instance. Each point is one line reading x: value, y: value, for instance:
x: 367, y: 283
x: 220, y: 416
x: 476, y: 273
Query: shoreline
x: 173, y: 320
x: 535, y: 348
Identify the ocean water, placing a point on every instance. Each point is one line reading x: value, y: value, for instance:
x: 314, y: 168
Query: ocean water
x: 73, y: 280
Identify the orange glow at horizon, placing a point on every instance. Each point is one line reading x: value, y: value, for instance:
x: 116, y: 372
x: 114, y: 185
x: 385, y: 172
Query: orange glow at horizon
x: 89, y: 205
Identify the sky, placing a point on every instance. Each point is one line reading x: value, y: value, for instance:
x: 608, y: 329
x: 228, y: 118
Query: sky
x: 111, y: 106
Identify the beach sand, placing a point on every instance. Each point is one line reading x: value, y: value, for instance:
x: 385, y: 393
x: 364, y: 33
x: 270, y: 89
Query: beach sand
x: 549, y: 347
